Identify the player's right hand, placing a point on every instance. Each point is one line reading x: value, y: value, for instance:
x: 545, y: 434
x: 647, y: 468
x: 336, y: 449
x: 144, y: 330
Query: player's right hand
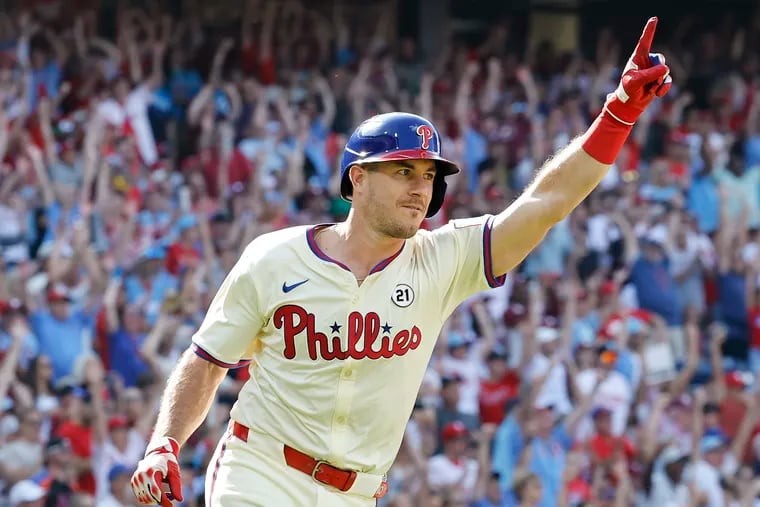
x: 159, y: 466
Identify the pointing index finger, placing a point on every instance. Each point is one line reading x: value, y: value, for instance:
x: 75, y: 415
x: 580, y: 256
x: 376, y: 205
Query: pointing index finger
x: 641, y: 53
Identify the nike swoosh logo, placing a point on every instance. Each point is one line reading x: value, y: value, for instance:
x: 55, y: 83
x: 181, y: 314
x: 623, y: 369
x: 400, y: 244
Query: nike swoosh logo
x: 287, y: 288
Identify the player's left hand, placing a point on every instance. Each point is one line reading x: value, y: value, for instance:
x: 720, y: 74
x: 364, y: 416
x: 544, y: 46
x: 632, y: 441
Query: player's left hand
x: 645, y: 77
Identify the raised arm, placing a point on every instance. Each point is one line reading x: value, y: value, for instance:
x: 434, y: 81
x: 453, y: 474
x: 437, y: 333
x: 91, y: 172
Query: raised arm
x: 40, y: 170
x: 217, y: 64
x: 328, y: 100
x: 681, y: 382
x: 18, y: 332
x: 583, y: 407
x: 94, y: 376
x: 718, y: 334
x: 490, y: 96
x: 484, y: 438
x: 82, y: 243
x: 425, y: 99
x: 160, y: 45
x: 630, y: 242
x: 267, y: 32
x: 743, y: 434
x: 648, y: 433
x: 565, y: 180
x: 536, y: 307
x: 200, y: 101
x: 46, y: 127
x: 697, y: 422
x: 464, y: 90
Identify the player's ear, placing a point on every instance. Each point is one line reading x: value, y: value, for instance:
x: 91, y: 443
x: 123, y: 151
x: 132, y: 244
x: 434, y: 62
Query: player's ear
x: 358, y: 176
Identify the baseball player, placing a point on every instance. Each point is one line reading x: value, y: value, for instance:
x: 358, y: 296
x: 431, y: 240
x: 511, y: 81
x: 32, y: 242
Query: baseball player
x: 337, y: 322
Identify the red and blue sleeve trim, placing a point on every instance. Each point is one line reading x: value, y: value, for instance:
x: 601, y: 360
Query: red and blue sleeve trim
x: 200, y: 352
x: 493, y: 280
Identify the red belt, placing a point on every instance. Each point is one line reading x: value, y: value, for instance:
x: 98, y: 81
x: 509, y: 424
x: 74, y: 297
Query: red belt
x: 319, y: 470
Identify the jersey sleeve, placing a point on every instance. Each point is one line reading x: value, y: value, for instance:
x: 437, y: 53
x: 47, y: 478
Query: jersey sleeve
x: 460, y: 253
x: 235, y: 316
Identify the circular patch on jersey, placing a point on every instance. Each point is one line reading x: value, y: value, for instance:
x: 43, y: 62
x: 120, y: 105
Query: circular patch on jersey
x: 403, y: 295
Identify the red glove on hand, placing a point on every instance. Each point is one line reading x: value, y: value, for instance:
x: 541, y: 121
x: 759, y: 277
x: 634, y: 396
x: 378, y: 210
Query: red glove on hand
x: 158, y: 467
x: 645, y: 77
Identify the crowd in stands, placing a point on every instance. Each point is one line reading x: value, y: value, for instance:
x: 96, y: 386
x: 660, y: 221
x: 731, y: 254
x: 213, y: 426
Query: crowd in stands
x: 616, y: 368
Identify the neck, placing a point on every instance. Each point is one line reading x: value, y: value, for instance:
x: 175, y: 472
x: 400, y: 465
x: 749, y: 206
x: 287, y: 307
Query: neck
x: 364, y: 246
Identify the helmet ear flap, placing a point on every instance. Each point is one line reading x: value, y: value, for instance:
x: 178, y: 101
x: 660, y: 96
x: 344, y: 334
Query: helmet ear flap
x: 346, y: 187
x: 439, y: 193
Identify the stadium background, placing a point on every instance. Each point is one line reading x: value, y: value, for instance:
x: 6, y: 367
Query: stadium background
x: 145, y: 143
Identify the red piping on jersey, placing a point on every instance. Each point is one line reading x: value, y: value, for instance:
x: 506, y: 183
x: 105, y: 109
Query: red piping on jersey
x: 382, y: 264
x: 216, y: 467
x: 310, y: 239
x: 493, y: 280
x: 211, y: 359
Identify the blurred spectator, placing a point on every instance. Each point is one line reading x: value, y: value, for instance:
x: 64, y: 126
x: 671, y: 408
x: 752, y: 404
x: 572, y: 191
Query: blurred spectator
x: 26, y: 493
x: 452, y: 470
x: 119, y: 491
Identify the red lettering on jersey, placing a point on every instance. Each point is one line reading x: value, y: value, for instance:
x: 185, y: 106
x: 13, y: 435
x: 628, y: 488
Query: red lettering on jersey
x: 355, y: 332
x: 336, y: 353
x: 401, y: 341
x: 285, y: 318
x: 371, y: 333
x: 426, y: 133
x: 316, y: 339
x: 363, y: 332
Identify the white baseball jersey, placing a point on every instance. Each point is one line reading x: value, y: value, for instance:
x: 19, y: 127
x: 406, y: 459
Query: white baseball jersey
x: 335, y: 366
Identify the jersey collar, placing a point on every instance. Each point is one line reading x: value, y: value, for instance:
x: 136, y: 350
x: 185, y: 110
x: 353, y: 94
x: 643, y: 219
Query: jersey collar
x: 311, y: 234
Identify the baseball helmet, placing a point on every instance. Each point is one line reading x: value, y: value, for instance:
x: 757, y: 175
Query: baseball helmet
x: 397, y: 136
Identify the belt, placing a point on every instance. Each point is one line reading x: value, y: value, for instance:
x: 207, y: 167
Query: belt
x: 323, y: 472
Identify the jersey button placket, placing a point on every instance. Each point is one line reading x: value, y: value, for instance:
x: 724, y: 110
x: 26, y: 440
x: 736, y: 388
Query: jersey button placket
x: 356, y: 295
x: 341, y: 435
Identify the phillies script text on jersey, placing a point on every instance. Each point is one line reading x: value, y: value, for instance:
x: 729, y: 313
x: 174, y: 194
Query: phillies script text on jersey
x: 294, y: 320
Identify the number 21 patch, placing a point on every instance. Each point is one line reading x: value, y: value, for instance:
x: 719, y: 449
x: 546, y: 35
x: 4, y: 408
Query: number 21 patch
x: 403, y: 295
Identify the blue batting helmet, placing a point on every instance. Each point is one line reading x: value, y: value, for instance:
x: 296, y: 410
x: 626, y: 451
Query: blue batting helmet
x: 397, y: 136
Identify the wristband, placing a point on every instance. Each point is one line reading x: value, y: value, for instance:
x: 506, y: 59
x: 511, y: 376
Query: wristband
x: 163, y: 445
x: 605, y: 137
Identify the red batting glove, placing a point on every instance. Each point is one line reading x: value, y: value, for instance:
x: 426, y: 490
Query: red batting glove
x: 645, y: 77
x: 158, y: 467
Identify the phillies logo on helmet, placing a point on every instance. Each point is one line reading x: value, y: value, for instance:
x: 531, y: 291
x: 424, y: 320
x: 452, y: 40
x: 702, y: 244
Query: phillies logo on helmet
x: 426, y: 133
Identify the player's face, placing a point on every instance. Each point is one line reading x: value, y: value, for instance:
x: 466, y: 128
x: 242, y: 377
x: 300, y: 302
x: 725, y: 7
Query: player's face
x: 394, y: 196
